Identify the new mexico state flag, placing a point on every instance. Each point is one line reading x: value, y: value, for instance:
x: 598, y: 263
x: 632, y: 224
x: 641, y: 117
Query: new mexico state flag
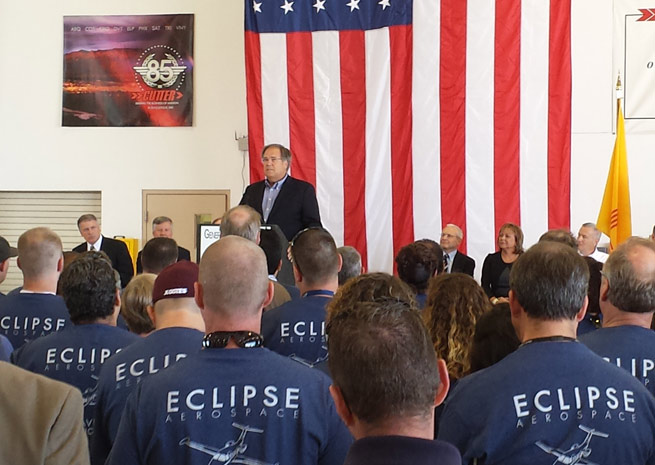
x: 614, y: 218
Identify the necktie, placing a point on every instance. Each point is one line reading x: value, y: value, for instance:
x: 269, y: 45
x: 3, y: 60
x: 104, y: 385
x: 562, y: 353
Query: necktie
x: 446, y: 260
x: 92, y: 249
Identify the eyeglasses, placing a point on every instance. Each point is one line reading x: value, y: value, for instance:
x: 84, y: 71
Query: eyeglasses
x: 272, y: 160
x: 297, y: 236
x: 244, y: 339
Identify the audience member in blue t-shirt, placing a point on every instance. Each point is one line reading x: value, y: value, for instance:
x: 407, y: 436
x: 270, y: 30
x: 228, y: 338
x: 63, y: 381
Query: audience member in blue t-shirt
x: 552, y: 400
x: 297, y: 328
x: 627, y: 300
x: 377, y: 350
x: 178, y: 333
x: 76, y: 354
x: 35, y: 310
x: 234, y: 400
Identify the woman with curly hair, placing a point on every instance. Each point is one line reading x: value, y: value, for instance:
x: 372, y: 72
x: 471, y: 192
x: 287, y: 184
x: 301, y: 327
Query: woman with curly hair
x: 455, y: 301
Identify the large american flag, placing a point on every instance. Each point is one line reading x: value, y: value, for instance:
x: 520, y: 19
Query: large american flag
x: 407, y: 115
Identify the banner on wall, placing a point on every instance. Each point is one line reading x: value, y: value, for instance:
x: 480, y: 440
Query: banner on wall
x: 634, y: 58
x: 128, y: 70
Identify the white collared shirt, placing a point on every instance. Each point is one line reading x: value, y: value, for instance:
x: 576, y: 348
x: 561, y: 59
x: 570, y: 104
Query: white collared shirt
x: 96, y: 246
x: 599, y: 256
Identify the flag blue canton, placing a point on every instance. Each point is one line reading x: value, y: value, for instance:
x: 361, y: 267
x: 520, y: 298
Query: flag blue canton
x: 325, y: 15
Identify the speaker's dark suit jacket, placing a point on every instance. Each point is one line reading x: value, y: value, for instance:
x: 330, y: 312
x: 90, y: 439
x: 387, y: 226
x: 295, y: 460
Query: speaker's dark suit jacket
x: 118, y: 254
x: 463, y: 264
x: 295, y: 207
x: 182, y: 254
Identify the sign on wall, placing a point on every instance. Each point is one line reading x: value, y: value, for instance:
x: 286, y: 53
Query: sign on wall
x: 634, y: 58
x: 128, y: 70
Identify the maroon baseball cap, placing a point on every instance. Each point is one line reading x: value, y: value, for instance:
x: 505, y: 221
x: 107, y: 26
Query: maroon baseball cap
x: 6, y: 251
x: 175, y: 281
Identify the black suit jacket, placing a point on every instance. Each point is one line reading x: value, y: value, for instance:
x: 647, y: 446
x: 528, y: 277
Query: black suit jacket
x: 118, y: 254
x: 182, y: 254
x: 295, y: 207
x: 463, y: 264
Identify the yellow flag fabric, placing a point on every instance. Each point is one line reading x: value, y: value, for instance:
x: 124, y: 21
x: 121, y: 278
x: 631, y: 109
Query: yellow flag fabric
x: 614, y: 218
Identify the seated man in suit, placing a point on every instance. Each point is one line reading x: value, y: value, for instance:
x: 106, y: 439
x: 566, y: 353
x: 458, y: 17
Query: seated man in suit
x: 162, y: 226
x: 454, y: 260
x: 115, y: 250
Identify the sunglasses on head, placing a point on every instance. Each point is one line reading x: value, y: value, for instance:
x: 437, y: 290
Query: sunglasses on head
x: 244, y: 339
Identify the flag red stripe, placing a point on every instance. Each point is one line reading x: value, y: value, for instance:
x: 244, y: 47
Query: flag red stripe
x: 353, y: 104
x: 559, y: 116
x: 507, y: 93
x: 300, y: 76
x: 400, y: 41
x: 452, y: 97
x: 254, y: 102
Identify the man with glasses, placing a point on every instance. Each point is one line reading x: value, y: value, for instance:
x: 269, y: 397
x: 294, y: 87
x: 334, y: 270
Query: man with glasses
x: 235, y: 401
x: 297, y: 328
x: 454, y: 260
x: 280, y: 199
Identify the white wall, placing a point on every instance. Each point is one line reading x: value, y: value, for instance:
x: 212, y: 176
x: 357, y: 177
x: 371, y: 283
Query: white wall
x: 593, y: 138
x: 38, y: 154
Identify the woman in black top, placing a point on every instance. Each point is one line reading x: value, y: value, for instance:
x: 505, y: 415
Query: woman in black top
x: 496, y: 267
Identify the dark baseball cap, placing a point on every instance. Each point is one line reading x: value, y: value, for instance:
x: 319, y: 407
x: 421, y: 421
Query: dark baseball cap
x: 6, y: 251
x: 175, y: 281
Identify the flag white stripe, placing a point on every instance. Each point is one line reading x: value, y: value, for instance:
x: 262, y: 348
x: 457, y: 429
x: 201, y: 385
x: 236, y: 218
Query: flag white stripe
x: 378, y: 202
x: 426, y: 143
x: 328, y: 127
x: 480, y: 131
x: 275, y: 91
x: 535, y: 28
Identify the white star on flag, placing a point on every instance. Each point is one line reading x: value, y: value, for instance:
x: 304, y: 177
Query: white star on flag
x: 354, y: 5
x: 319, y: 5
x: 257, y: 7
x: 287, y: 7
x: 384, y: 3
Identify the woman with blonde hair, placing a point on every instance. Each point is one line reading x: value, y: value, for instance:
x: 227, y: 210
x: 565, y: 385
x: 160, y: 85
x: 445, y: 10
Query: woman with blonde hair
x: 496, y: 267
x: 455, y: 302
x: 136, y: 298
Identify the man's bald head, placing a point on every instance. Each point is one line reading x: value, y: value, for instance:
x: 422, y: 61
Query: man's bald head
x: 234, y: 277
x: 242, y: 221
x: 39, y: 251
x: 630, y: 274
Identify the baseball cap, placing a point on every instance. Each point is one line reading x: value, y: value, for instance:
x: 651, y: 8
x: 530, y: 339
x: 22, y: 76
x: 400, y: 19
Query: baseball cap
x: 175, y: 281
x: 6, y: 251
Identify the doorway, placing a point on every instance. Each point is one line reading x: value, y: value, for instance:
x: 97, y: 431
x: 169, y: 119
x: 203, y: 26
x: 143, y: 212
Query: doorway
x: 187, y: 208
